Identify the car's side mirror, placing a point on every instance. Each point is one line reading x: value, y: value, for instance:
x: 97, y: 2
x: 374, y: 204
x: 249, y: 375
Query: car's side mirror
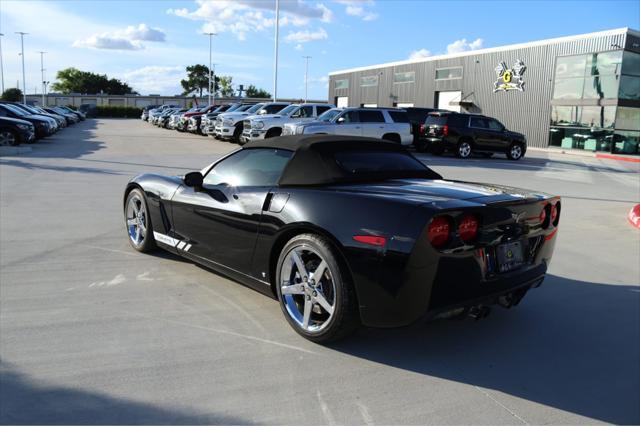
x: 340, y: 120
x: 193, y: 180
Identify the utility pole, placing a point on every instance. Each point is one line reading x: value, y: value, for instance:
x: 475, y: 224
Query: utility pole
x: 42, y: 71
x: 306, y: 77
x: 275, y: 62
x: 24, y: 86
x: 1, y: 64
x: 210, y: 41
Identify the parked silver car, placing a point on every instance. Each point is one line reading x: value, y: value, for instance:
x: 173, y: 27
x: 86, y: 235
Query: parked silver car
x: 382, y: 123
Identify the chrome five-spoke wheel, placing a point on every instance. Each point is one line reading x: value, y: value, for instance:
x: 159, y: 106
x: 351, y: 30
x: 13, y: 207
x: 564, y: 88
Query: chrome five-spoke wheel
x: 515, y: 152
x: 308, y: 289
x: 7, y: 138
x: 464, y: 149
x: 138, y: 222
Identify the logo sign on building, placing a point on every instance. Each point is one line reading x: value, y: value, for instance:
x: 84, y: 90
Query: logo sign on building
x: 509, y: 78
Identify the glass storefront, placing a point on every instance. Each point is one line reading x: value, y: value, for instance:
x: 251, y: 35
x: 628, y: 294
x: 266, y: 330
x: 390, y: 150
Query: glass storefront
x: 603, y: 78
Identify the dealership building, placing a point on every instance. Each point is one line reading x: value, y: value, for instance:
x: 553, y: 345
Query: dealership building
x: 576, y: 92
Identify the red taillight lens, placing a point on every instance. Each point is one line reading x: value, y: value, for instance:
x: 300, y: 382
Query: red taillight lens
x: 468, y: 228
x: 440, y: 231
x: 543, y: 215
x: 445, y: 130
x: 554, y: 213
x: 422, y: 129
x: 372, y: 240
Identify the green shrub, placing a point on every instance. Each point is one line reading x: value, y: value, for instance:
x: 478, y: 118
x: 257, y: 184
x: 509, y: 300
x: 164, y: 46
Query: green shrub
x: 117, y: 112
x: 12, y: 95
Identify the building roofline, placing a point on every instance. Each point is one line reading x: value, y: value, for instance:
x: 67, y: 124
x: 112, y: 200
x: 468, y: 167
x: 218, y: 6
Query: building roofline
x: 491, y: 49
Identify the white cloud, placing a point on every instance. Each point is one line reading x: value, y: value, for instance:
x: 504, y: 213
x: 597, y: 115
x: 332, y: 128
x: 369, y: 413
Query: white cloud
x: 129, y: 38
x: 359, y: 9
x: 155, y: 79
x: 419, y: 54
x: 306, y: 36
x: 462, y: 45
x: 298, y: 47
x: 241, y: 17
x: 106, y: 42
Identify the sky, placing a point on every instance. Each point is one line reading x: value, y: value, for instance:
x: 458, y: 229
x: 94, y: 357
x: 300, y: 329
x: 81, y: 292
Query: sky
x: 148, y: 43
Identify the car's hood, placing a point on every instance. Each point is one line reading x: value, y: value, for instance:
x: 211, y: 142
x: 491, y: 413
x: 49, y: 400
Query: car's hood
x: 316, y: 123
x: 13, y: 120
x: 515, y: 134
x: 443, y: 190
x: 234, y: 115
x: 270, y: 117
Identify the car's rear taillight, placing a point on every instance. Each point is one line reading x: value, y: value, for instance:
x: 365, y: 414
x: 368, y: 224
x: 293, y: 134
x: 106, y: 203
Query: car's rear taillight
x: 445, y: 130
x: 468, y: 228
x: 422, y: 129
x: 440, y: 231
x: 555, y: 214
x: 543, y: 215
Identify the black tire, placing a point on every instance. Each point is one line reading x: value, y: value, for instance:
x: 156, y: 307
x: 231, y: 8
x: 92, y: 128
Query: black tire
x: 9, y: 138
x: 345, y: 318
x: 272, y: 133
x: 464, y: 149
x: 515, y: 151
x: 392, y: 137
x: 237, y: 132
x: 148, y: 243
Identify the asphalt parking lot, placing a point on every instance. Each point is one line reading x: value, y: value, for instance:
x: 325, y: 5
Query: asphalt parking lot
x: 93, y: 332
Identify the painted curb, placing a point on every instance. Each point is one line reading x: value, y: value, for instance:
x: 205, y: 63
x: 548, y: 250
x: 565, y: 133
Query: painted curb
x: 630, y: 159
x: 634, y: 216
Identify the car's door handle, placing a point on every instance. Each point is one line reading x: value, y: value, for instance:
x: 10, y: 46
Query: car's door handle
x: 235, y: 196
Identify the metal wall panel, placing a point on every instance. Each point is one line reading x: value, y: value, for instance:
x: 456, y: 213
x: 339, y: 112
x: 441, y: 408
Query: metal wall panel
x: 527, y: 112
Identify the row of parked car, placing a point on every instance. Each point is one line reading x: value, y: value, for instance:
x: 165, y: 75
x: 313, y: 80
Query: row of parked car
x: 427, y: 129
x: 20, y: 123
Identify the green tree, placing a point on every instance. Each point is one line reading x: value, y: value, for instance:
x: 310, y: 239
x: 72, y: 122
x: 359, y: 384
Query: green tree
x: 225, y: 86
x: 197, y: 79
x: 12, y: 95
x: 72, y: 80
x: 253, y: 92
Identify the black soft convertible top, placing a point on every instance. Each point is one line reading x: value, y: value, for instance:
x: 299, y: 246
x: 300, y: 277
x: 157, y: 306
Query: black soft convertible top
x: 314, y: 162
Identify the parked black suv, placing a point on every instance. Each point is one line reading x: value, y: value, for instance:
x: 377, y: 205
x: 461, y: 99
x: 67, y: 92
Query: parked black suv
x: 417, y: 117
x: 14, y: 131
x: 465, y: 134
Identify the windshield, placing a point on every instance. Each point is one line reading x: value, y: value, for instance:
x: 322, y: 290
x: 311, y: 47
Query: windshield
x: 329, y: 115
x: 232, y: 108
x: 290, y: 110
x: 255, y: 108
x: 15, y: 110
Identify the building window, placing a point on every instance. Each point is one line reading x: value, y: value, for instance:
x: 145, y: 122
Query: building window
x: 404, y: 77
x: 592, y: 76
x: 341, y: 84
x: 629, y: 87
x: 448, y: 73
x: 368, y: 81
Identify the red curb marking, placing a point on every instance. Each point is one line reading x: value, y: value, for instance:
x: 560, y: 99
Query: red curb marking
x: 634, y: 216
x: 619, y: 158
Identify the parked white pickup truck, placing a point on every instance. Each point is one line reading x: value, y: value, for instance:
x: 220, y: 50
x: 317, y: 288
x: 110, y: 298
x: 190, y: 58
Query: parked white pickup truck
x: 271, y: 125
x: 382, y: 123
x: 229, y: 124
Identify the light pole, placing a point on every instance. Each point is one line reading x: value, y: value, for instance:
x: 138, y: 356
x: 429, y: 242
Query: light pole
x: 1, y: 64
x: 306, y: 76
x: 24, y: 86
x: 275, y: 62
x: 42, y: 71
x: 210, y: 41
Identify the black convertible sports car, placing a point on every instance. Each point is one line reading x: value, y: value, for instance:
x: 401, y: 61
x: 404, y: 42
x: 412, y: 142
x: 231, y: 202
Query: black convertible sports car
x: 346, y: 231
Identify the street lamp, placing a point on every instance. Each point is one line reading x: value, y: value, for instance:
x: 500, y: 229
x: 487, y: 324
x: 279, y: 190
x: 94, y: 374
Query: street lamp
x: 306, y: 76
x: 275, y: 62
x: 210, y: 40
x: 1, y: 64
x: 42, y: 71
x: 24, y: 86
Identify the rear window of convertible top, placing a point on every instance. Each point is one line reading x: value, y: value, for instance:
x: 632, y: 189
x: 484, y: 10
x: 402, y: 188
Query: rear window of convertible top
x: 367, y: 162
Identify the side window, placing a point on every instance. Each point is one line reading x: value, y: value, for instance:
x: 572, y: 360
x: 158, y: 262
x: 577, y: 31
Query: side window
x: 350, y: 117
x: 495, y: 125
x: 399, y: 116
x: 322, y: 109
x: 3, y: 113
x: 306, y: 111
x: 249, y: 167
x: 367, y: 116
x: 477, y: 122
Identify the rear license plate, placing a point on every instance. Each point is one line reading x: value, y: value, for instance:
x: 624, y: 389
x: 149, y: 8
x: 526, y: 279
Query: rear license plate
x: 509, y: 256
x: 432, y: 131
